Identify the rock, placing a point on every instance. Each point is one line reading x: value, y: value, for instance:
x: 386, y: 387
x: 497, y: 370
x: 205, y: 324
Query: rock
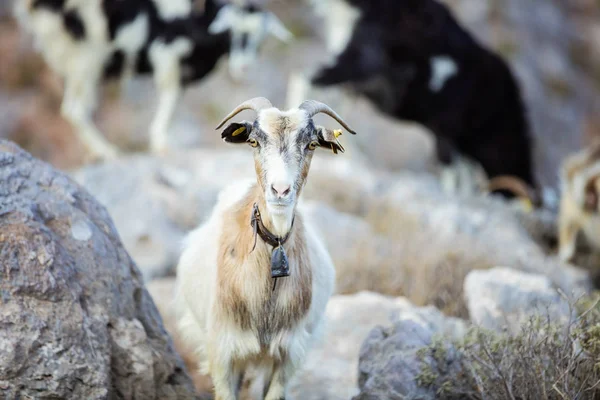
x: 76, y: 319
x: 390, y: 365
x: 155, y: 202
x: 505, y: 298
x: 331, y: 369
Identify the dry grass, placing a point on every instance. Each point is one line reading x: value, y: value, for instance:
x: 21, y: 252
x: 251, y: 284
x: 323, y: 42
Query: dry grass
x: 544, y: 361
x: 404, y: 260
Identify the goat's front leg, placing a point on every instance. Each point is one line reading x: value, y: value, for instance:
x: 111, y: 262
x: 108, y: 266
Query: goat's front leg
x: 282, y: 374
x: 567, y: 239
x: 298, y: 89
x: 226, y: 380
x: 77, y: 107
x: 168, y: 84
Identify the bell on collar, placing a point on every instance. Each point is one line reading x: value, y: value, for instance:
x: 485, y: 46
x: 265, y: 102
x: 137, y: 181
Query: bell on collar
x: 279, y: 263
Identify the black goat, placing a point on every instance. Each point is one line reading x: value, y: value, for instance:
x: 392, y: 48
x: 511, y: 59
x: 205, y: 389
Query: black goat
x: 415, y: 62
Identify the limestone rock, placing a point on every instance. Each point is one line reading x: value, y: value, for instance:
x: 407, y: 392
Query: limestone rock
x: 76, y: 319
x: 505, y: 298
x: 389, y: 363
x: 331, y: 369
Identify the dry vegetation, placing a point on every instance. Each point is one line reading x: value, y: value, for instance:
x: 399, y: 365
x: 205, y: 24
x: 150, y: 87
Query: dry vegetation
x: 544, y: 361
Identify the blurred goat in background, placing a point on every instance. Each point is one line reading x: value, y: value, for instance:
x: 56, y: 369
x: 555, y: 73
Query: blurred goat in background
x: 579, y: 205
x: 87, y: 41
x: 415, y: 62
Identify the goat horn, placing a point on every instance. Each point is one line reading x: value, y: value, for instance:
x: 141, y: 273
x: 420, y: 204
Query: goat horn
x: 255, y: 104
x: 313, y: 107
x: 515, y: 185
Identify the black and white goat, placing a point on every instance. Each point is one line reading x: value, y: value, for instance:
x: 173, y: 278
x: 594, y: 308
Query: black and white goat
x: 88, y: 41
x: 415, y: 62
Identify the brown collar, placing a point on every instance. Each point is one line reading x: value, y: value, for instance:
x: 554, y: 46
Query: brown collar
x: 260, y: 229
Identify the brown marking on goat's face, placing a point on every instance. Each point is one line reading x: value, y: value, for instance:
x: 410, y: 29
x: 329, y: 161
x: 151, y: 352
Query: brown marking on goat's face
x: 245, y: 295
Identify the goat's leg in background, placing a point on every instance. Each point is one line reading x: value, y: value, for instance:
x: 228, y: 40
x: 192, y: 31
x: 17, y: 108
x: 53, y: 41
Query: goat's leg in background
x: 298, y: 89
x: 79, y: 103
x: 567, y: 232
x: 446, y: 155
x: 167, y: 78
x: 459, y: 175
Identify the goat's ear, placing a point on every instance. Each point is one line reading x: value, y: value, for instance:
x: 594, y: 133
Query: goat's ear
x: 277, y: 28
x: 237, y: 132
x: 328, y: 139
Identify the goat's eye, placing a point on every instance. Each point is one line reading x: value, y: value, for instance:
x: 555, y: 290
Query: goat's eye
x: 313, y: 145
x: 252, y: 142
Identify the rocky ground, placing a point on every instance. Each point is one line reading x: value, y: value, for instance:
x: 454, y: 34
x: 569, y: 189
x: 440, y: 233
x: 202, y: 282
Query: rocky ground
x: 413, y: 264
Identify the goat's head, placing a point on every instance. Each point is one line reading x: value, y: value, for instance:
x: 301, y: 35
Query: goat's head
x: 249, y: 27
x: 283, y: 144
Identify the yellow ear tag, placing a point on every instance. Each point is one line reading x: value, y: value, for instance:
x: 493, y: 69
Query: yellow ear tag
x: 238, y: 131
x: 337, y: 133
x: 527, y: 205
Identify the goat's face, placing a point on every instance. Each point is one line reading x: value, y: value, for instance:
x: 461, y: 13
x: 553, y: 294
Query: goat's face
x: 283, y: 143
x: 249, y: 27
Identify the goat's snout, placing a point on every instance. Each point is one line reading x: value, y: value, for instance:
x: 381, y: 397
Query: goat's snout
x: 281, y: 190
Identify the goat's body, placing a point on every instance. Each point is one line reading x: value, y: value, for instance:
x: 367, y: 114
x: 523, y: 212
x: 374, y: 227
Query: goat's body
x: 225, y: 303
x: 572, y: 220
x: 580, y: 179
x: 88, y: 41
x: 415, y: 62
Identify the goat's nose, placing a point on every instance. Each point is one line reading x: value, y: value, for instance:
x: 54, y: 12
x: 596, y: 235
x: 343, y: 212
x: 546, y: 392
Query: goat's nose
x: 281, y: 189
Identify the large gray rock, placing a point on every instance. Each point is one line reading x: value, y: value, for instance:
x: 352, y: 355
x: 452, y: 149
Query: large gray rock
x: 76, y: 319
x: 503, y: 298
x: 390, y: 364
x: 330, y: 372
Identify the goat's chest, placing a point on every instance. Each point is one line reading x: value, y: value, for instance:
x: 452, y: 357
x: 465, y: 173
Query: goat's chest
x: 256, y: 305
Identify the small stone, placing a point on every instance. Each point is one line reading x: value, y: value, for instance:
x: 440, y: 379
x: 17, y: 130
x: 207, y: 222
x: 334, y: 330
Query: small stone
x: 81, y: 230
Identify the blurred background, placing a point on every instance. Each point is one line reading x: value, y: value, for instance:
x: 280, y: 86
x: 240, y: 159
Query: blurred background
x: 387, y: 223
x: 553, y: 47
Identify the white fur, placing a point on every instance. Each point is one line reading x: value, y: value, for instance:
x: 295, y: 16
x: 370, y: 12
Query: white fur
x: 340, y: 21
x: 442, y: 69
x: 131, y: 38
x: 167, y: 76
x: 196, y: 297
x: 171, y: 9
x: 256, y: 26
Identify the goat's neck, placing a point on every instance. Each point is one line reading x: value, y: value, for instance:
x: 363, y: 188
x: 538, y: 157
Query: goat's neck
x: 277, y: 224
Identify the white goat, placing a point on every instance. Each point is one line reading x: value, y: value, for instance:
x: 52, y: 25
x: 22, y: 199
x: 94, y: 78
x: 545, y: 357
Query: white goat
x: 227, y: 304
x: 86, y: 41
